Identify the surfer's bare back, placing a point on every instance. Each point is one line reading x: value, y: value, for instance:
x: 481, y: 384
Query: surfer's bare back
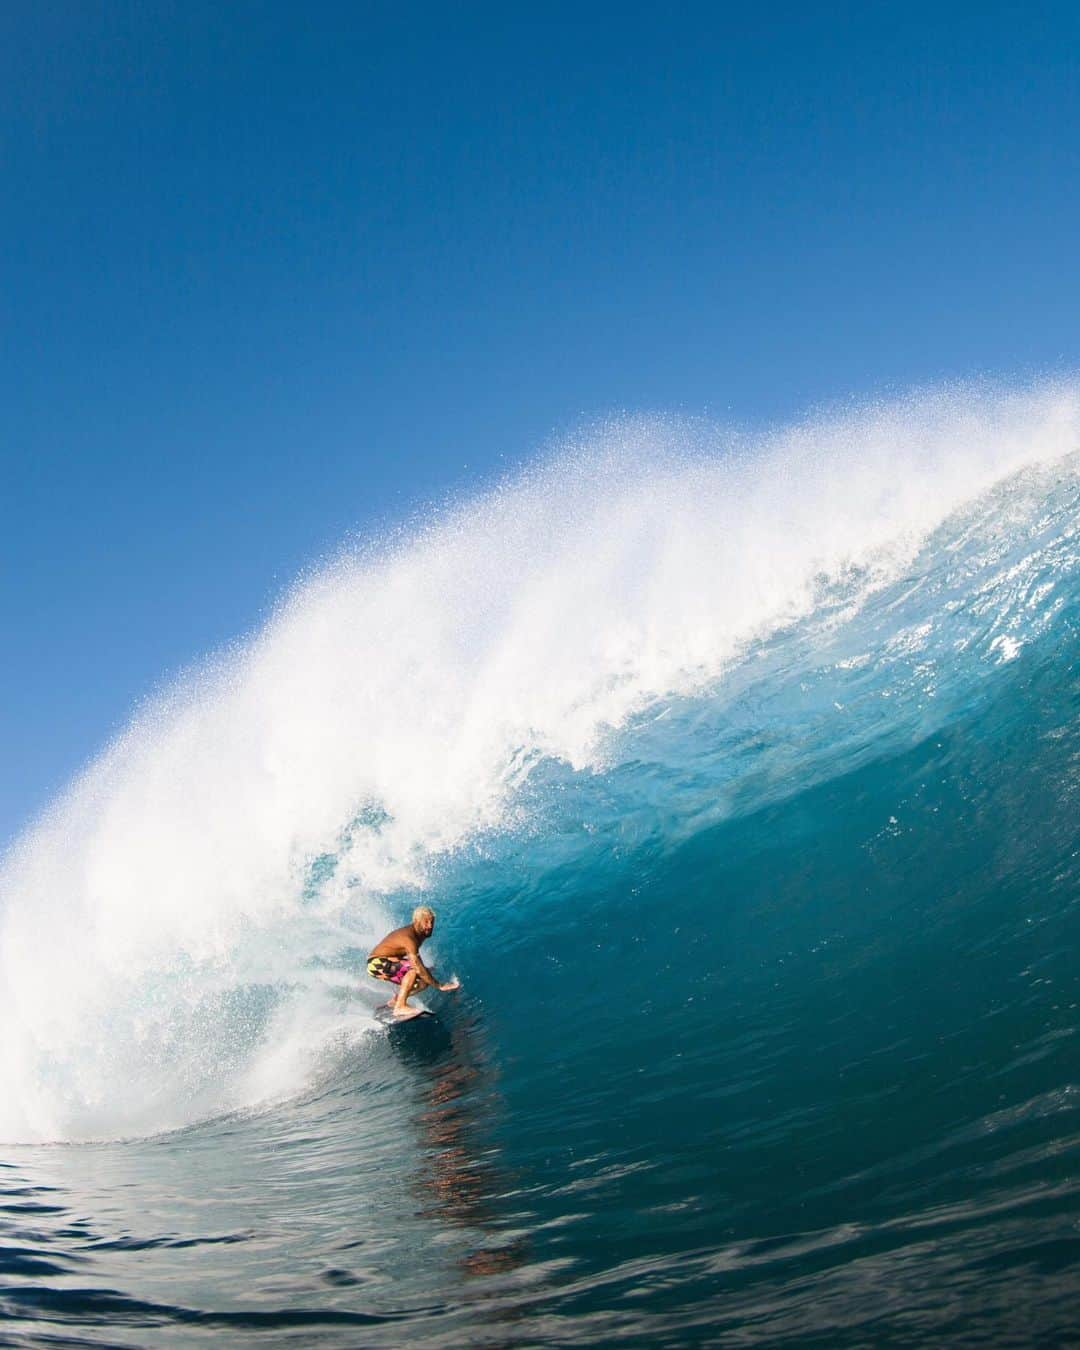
x: 397, y: 959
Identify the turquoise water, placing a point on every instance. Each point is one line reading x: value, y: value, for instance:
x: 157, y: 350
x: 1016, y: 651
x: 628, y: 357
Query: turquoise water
x: 770, y: 993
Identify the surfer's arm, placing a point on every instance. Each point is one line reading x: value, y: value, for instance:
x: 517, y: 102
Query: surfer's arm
x: 424, y: 977
x: 427, y: 979
x: 430, y: 980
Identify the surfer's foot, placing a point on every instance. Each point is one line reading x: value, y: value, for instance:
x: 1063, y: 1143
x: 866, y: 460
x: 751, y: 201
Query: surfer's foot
x: 406, y: 1013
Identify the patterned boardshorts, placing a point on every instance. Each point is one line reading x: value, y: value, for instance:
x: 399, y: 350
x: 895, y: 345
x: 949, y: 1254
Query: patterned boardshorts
x: 390, y: 968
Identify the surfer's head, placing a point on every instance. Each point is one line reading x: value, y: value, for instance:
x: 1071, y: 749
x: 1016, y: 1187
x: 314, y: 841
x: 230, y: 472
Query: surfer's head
x: 423, y: 919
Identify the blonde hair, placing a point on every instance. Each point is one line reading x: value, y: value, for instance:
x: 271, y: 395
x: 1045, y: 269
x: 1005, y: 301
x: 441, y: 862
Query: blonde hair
x: 422, y: 912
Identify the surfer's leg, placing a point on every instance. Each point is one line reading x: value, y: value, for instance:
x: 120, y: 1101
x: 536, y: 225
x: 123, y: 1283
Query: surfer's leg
x: 401, y: 1003
x: 379, y: 968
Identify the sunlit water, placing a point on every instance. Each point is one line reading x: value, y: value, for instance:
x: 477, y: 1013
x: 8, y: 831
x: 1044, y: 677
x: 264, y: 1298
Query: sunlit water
x: 744, y: 779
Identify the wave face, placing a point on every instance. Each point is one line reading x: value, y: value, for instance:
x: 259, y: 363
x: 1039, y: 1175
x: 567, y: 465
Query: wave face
x: 743, y: 774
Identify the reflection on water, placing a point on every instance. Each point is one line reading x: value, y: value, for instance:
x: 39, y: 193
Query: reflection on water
x: 460, y: 1178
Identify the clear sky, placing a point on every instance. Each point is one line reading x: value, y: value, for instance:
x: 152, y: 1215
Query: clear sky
x: 272, y: 272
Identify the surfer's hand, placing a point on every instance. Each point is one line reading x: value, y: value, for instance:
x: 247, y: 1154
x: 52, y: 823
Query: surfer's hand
x: 450, y: 985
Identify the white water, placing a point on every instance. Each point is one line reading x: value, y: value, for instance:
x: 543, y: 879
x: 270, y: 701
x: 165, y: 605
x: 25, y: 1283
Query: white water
x: 418, y: 681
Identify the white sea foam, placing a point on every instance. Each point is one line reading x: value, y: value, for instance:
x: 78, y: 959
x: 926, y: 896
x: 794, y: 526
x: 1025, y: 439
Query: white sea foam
x: 160, y: 925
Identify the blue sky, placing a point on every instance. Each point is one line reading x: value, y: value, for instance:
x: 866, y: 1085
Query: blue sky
x: 272, y: 273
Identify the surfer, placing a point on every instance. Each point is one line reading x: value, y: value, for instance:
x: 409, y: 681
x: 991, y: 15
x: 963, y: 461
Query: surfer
x: 397, y: 959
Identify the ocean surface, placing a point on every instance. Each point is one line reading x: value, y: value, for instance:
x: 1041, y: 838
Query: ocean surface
x: 743, y: 773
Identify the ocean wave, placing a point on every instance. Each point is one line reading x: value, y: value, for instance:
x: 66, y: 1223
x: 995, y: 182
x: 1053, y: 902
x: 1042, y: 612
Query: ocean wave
x: 659, y: 628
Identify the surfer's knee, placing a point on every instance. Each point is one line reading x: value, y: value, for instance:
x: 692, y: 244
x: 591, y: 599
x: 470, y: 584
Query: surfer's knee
x: 405, y: 988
